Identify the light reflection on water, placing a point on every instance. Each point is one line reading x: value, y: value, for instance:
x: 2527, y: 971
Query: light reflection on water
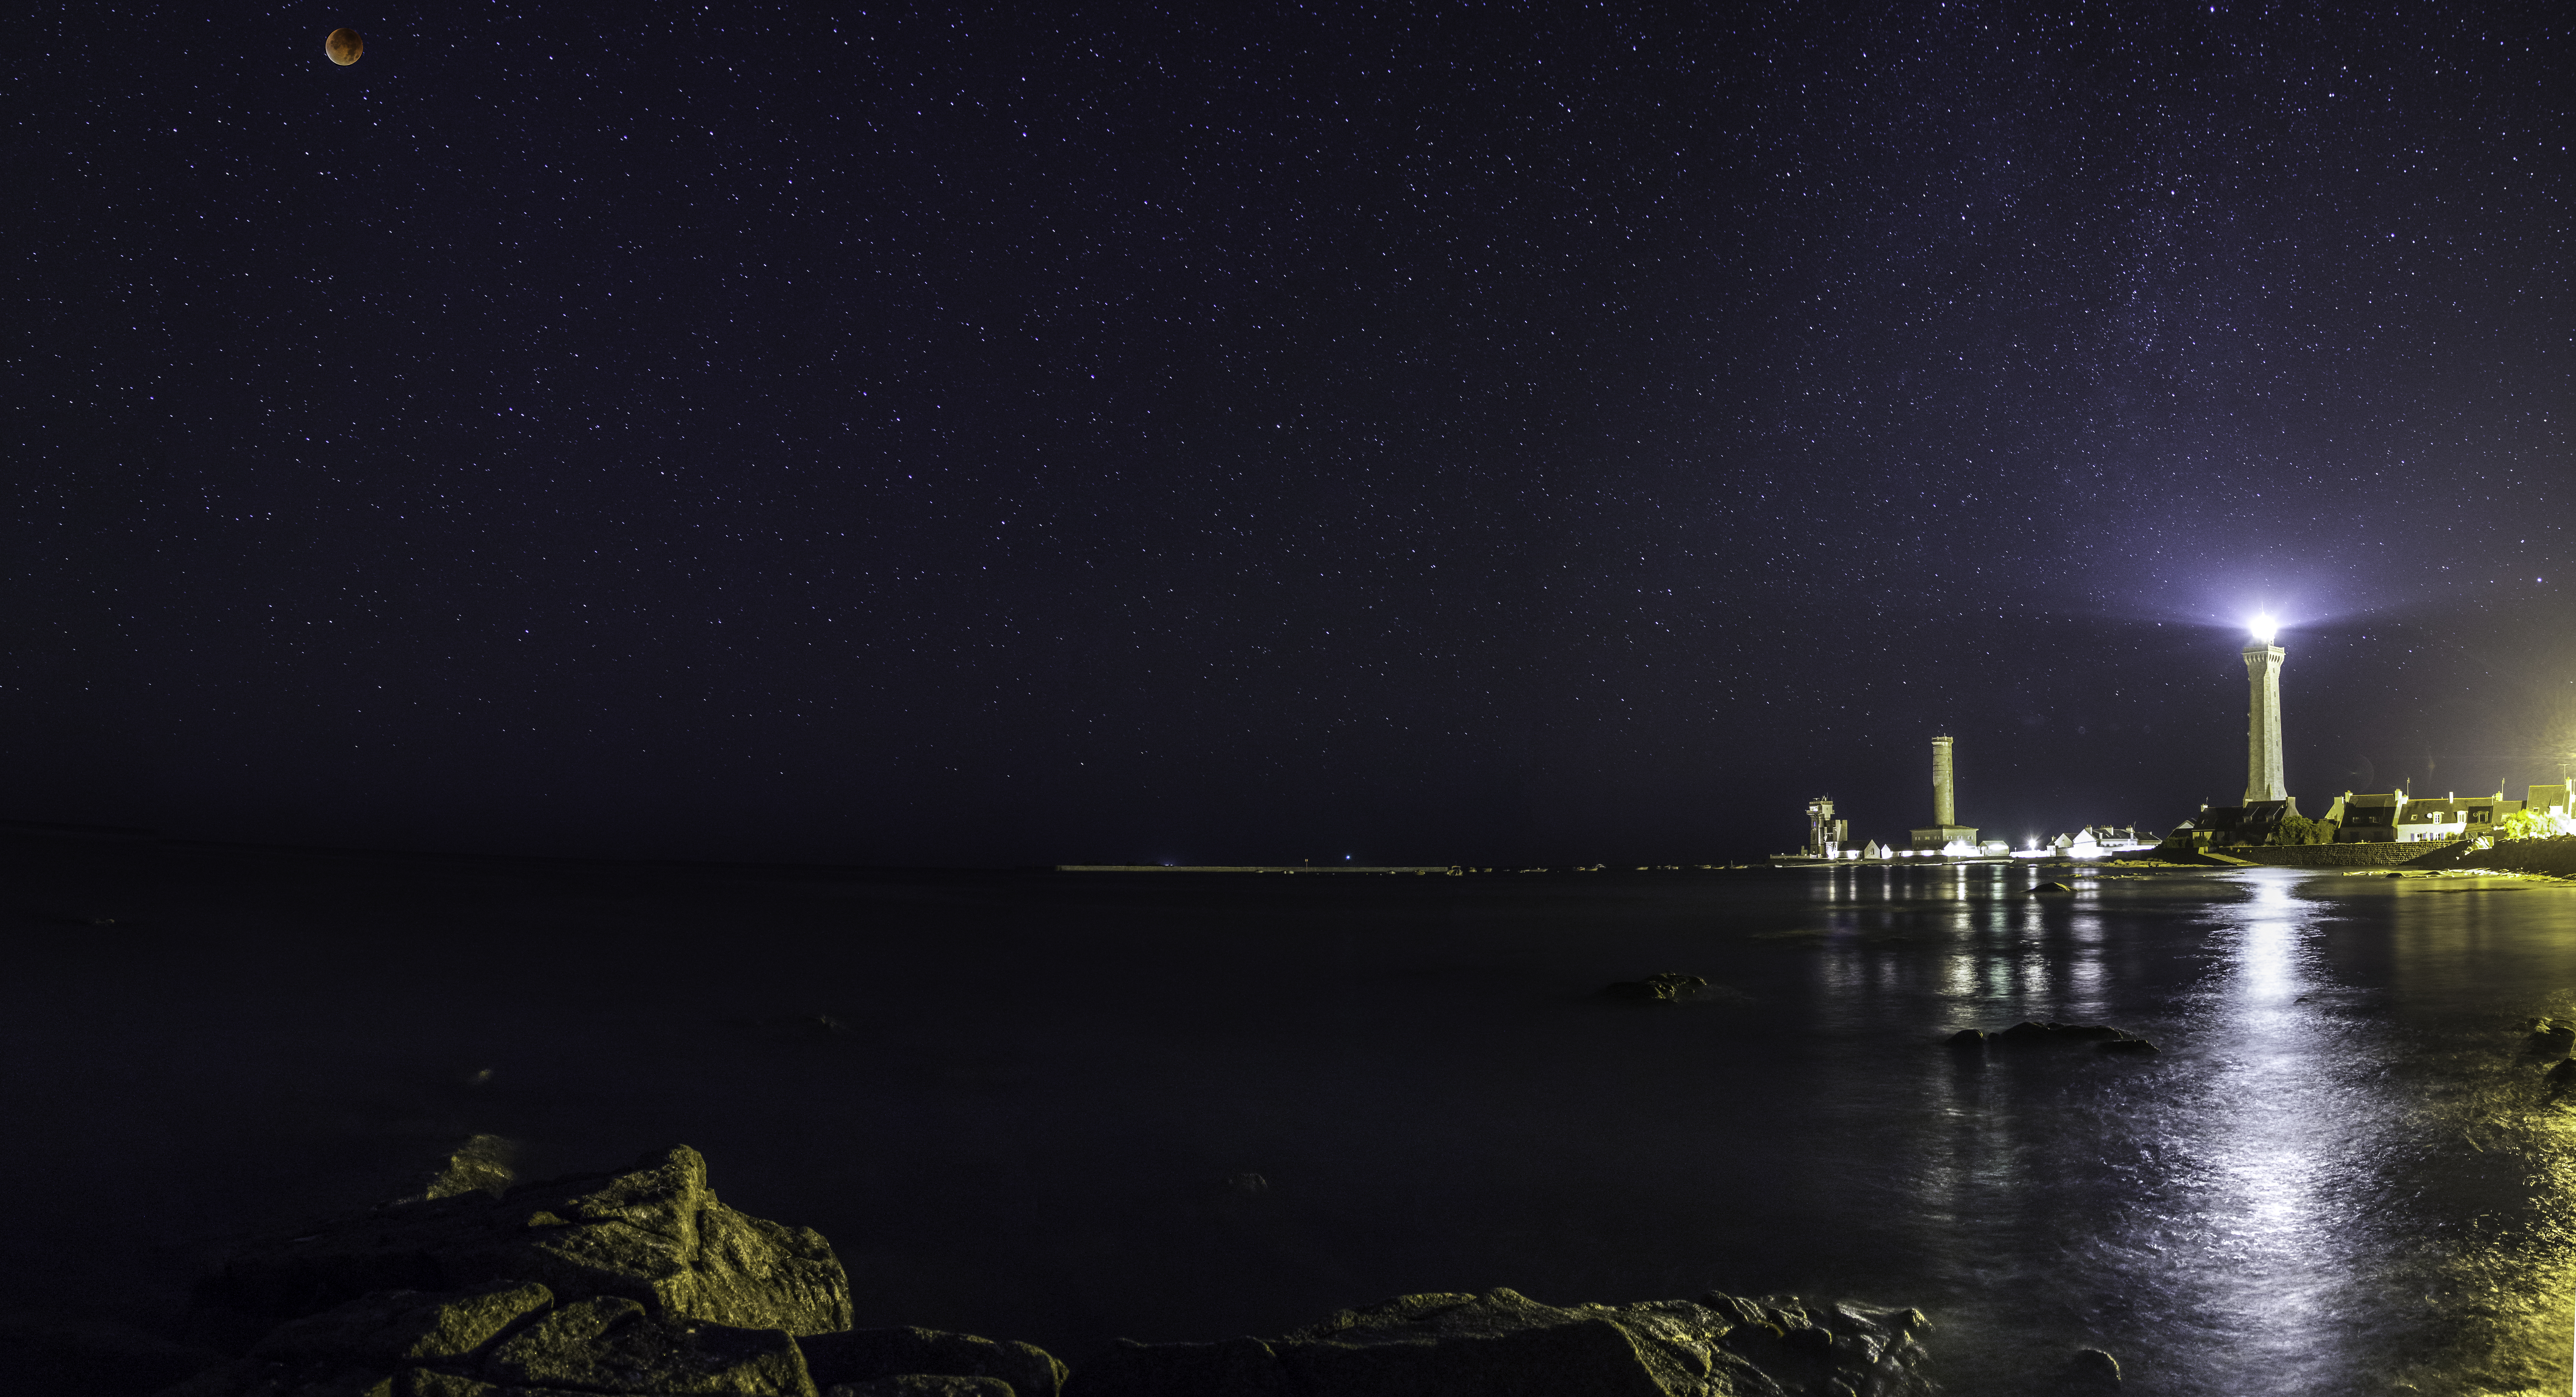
x: 2279, y: 1201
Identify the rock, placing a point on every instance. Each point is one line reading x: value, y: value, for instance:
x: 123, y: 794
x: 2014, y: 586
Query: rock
x: 2561, y: 1076
x: 2052, y: 890
x: 387, y: 1329
x: 2103, y: 1036
x: 1503, y: 1343
x: 480, y: 1165
x: 612, y: 1344
x: 655, y: 1234
x: 491, y: 1342
x: 2556, y: 1037
x: 1967, y: 1038
x: 2092, y: 1370
x: 1664, y: 988
x: 865, y: 1355
x: 922, y: 1385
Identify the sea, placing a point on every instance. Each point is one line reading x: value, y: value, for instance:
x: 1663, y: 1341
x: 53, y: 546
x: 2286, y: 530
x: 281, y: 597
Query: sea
x: 1064, y: 1107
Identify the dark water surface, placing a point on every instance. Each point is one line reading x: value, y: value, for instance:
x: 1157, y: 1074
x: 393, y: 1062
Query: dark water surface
x: 2340, y: 1176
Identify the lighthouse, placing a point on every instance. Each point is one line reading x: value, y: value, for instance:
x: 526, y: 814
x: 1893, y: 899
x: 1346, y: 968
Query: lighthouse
x: 1945, y: 834
x: 2263, y: 717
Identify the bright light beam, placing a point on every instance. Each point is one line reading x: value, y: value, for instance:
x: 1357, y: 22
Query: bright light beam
x: 2263, y: 627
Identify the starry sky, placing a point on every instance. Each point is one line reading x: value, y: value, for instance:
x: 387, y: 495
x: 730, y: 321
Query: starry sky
x: 1411, y: 433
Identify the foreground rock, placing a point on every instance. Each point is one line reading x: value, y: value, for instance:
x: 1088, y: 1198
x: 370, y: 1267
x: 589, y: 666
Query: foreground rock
x: 863, y: 1356
x: 641, y: 1284
x: 505, y: 1340
x: 2102, y: 1037
x: 655, y: 1235
x: 1503, y: 1344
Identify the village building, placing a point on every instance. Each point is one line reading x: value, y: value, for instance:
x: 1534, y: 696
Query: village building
x: 2454, y: 816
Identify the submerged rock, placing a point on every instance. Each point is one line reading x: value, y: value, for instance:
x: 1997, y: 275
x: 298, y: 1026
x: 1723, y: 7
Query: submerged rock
x: 2103, y: 1037
x: 2556, y: 1037
x: 1967, y: 1038
x: 1664, y: 988
x: 1502, y: 1342
x: 2561, y: 1076
x: 2052, y: 890
x: 2092, y: 1370
x: 655, y: 1235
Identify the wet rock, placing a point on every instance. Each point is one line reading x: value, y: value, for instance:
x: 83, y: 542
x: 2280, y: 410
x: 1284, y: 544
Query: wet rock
x: 1503, y: 1342
x: 2139, y: 1046
x: 1664, y: 988
x: 2092, y: 1370
x: 2555, y: 1037
x: 865, y: 1355
x: 2561, y: 1076
x: 612, y: 1344
x: 1967, y: 1038
x: 2052, y: 890
x: 655, y: 1234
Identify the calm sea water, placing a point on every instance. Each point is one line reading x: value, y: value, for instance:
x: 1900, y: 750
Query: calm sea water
x: 1022, y: 1105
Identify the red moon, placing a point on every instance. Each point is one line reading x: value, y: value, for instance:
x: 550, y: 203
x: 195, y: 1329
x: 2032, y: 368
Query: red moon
x: 344, y: 46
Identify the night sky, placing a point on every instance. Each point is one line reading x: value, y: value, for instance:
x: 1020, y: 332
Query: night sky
x: 1418, y: 433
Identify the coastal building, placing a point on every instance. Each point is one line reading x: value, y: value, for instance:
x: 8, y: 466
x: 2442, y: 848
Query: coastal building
x: 1945, y: 834
x: 2385, y: 817
x: 1825, y: 834
x: 2369, y: 817
x: 2454, y: 816
x: 2218, y: 826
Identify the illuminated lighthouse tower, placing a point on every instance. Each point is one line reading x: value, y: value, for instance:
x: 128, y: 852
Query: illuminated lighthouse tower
x: 2263, y: 717
x: 1945, y: 834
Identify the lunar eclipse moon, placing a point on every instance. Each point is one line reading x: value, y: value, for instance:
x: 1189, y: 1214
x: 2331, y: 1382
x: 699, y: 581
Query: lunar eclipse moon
x: 344, y: 46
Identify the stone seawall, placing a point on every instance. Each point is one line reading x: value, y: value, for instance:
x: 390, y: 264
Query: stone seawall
x: 2328, y: 855
x: 2552, y: 856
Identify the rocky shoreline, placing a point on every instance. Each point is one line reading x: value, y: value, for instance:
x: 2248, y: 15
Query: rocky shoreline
x: 640, y: 1283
